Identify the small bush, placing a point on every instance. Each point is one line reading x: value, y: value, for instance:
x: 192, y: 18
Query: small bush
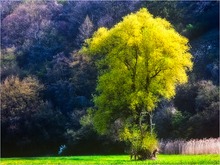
x: 141, y: 142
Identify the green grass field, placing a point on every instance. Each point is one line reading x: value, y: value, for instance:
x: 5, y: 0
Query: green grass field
x: 120, y: 159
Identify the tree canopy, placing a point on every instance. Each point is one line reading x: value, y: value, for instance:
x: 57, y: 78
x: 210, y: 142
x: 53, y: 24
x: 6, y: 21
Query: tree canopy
x: 140, y: 60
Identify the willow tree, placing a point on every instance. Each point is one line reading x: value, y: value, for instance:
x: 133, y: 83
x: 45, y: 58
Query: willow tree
x: 140, y: 61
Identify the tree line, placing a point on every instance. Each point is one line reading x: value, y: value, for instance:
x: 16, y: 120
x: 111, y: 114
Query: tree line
x: 47, y: 84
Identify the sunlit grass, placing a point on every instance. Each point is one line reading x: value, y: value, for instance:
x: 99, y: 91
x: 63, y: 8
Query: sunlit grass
x: 113, y: 159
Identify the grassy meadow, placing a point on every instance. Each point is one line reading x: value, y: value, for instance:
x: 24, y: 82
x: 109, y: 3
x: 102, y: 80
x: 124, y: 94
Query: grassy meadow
x: 113, y: 159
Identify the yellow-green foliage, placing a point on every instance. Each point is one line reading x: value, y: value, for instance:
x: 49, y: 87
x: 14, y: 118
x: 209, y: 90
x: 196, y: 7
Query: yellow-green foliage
x: 139, y: 139
x: 150, y: 142
x: 140, y: 60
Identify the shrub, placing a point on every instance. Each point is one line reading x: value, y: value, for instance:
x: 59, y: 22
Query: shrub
x: 141, y: 142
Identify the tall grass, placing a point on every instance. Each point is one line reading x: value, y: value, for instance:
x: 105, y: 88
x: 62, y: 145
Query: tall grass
x: 194, y: 146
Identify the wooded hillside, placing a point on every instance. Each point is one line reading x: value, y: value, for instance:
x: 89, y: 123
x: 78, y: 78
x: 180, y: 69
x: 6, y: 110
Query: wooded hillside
x: 47, y: 84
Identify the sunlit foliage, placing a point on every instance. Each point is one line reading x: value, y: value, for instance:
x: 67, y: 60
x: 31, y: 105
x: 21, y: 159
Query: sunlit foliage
x: 141, y: 59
